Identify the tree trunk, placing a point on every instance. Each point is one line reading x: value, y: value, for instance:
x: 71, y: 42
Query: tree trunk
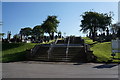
x: 51, y: 35
x: 93, y: 36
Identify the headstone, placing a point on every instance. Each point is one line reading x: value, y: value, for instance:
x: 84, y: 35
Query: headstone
x: 22, y: 38
x: 28, y: 41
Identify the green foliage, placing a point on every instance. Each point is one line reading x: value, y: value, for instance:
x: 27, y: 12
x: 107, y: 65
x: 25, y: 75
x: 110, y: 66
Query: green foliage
x: 88, y: 40
x: 94, y: 21
x: 38, y: 31
x: 50, y: 25
x: 16, y: 51
x: 101, y: 50
x: 114, y: 28
x: 7, y: 46
x: 16, y: 36
x: 59, y: 32
x: 26, y: 31
x: 2, y: 34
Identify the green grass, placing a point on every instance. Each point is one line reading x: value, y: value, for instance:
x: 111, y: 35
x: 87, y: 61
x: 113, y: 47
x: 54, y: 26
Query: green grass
x: 16, y: 51
x: 101, y: 50
x: 88, y: 40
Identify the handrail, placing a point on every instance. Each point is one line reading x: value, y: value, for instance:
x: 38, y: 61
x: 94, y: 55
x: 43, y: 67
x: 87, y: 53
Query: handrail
x: 56, y: 41
x: 67, y: 48
x: 34, y: 50
x: 51, y: 48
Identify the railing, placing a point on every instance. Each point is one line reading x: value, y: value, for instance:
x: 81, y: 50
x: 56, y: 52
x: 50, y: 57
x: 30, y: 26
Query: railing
x: 34, y: 50
x: 73, y: 40
x: 51, y: 48
x: 87, y: 47
x: 67, y: 48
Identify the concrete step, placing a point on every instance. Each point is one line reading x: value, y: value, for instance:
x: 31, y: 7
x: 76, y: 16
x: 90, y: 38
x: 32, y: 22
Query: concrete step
x: 58, y: 52
x: 61, y: 59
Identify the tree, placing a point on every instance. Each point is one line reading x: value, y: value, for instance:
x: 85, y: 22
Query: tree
x: 115, y: 28
x: 59, y: 34
x: 93, y: 21
x: 26, y: 31
x: 50, y: 25
x: 16, y: 38
x: 38, y: 31
x: 2, y: 35
x: 118, y: 33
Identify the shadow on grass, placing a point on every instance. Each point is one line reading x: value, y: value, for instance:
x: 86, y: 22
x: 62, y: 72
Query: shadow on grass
x: 21, y: 56
x: 6, y: 46
x: 105, y: 66
x: 93, y: 44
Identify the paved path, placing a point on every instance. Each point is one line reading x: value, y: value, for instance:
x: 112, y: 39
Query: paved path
x: 59, y: 70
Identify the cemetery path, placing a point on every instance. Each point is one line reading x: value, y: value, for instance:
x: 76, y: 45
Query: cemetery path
x: 33, y: 69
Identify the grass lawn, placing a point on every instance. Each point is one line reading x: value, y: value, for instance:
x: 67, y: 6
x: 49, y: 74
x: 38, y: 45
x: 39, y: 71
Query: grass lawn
x: 88, y: 40
x: 16, y: 51
x: 101, y: 50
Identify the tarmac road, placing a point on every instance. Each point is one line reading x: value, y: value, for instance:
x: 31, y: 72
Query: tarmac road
x: 33, y: 69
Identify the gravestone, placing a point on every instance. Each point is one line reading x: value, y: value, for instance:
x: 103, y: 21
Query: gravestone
x: 28, y: 41
x: 22, y: 37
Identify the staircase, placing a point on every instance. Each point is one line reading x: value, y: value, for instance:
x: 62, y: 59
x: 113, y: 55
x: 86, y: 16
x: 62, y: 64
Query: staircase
x: 70, y: 49
x: 41, y: 53
x: 77, y: 53
x: 58, y: 54
x: 60, y: 42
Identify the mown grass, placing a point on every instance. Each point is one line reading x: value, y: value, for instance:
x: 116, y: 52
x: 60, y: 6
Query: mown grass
x: 102, y: 51
x: 16, y: 51
x: 88, y: 40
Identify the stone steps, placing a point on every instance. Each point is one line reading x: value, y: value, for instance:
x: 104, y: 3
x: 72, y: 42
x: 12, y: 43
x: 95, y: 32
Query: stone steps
x: 58, y: 52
